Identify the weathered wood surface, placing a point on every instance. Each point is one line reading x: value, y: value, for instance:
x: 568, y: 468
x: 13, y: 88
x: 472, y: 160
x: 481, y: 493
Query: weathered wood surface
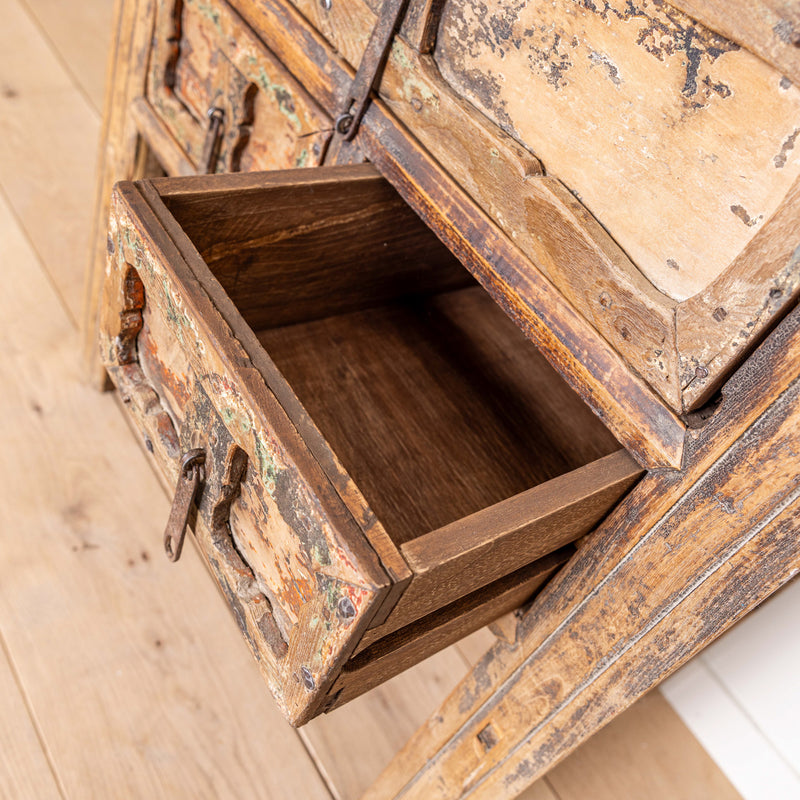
x: 482, y: 547
x: 128, y: 61
x: 172, y: 342
x: 768, y: 28
x: 644, y: 426
x: 203, y: 58
x: 680, y: 197
x: 287, y: 482
x: 648, y: 755
x: 683, y: 360
x: 403, y: 648
x: 717, y: 327
x: 682, y: 559
x: 608, y: 288
x: 449, y: 562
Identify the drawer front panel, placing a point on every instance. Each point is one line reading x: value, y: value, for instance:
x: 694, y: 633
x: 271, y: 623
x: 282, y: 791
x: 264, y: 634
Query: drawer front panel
x: 274, y: 539
x: 206, y: 59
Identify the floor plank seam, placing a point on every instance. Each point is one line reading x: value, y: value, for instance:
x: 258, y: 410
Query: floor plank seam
x: 553, y: 790
x: 5, y: 197
x: 53, y: 47
x: 327, y: 782
x: 32, y: 717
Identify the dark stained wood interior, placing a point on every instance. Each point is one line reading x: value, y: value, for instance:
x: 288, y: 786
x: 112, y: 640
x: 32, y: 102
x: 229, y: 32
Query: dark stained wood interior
x: 437, y: 406
x: 296, y: 247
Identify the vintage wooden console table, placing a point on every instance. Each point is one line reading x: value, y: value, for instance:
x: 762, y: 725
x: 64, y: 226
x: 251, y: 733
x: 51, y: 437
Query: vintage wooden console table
x: 374, y: 457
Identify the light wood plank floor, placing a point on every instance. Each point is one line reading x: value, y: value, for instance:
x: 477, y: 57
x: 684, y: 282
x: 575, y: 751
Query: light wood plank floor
x: 122, y: 675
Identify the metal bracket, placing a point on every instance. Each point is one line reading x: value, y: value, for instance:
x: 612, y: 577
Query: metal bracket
x: 370, y: 68
x: 189, y: 479
x: 213, y: 140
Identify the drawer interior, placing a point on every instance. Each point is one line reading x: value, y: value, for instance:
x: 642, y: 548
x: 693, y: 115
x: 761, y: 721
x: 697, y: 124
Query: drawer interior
x: 437, y: 406
x: 430, y: 396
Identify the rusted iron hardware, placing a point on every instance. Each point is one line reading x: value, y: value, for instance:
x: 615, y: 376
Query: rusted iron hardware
x: 191, y: 476
x: 208, y: 159
x: 370, y: 68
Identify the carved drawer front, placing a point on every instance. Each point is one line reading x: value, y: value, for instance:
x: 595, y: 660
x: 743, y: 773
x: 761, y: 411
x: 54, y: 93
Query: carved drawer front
x: 219, y: 101
x: 389, y: 463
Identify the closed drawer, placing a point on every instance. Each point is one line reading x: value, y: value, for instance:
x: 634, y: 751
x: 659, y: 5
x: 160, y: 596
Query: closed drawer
x: 219, y: 101
x: 390, y: 464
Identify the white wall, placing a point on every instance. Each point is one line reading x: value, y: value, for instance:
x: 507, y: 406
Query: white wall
x: 741, y: 699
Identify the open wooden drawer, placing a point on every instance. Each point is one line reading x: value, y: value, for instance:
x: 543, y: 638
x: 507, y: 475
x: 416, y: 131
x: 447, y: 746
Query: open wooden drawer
x: 389, y: 463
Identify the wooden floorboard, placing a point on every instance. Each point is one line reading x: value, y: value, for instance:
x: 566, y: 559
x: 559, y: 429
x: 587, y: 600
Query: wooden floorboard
x: 79, y: 35
x: 123, y: 675
x: 137, y: 676
x: 24, y: 767
x: 47, y: 162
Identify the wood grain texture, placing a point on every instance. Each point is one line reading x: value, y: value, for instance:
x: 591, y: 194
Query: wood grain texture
x: 24, y: 768
x: 661, y: 591
x: 40, y: 105
x: 80, y: 36
x: 404, y: 385
x: 403, y: 648
x: 482, y: 547
x: 266, y: 241
x: 768, y: 28
x: 115, y: 648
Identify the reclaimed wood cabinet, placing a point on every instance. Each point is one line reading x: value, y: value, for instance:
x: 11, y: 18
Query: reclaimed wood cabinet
x: 511, y: 216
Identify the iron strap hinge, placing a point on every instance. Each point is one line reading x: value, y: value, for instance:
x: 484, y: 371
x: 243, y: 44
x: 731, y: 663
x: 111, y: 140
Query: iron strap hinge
x: 370, y: 68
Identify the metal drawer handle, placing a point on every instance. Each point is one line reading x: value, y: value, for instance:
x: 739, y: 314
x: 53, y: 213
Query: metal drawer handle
x: 191, y: 476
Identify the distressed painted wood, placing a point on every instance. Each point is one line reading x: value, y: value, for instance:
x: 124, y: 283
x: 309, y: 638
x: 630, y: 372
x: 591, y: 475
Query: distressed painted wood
x: 684, y: 557
x: 768, y: 28
x: 204, y: 58
x: 113, y: 649
x: 632, y: 413
x: 674, y: 87
x: 282, y: 495
x: 683, y: 352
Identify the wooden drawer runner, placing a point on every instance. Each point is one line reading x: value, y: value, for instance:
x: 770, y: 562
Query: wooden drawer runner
x: 390, y: 464
x: 204, y: 59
